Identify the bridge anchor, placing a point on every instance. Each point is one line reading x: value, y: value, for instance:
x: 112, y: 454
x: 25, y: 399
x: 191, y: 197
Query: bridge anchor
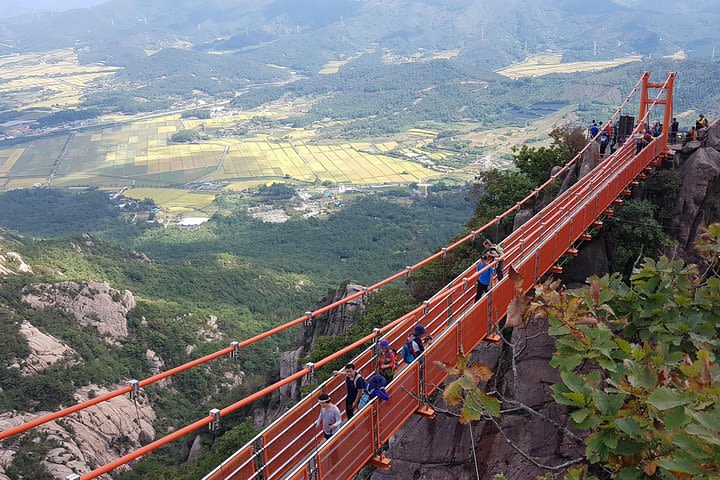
x: 425, y: 411
x: 380, y: 461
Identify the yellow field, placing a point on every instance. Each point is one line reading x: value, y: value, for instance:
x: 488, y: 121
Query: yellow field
x: 8, y: 158
x: 538, y: 65
x: 247, y: 185
x: 48, y: 79
x: 172, y: 199
x: 333, y: 66
x: 343, y: 163
x: 419, y: 132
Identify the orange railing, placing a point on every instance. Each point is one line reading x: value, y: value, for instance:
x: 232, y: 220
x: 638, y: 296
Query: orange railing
x: 452, y: 314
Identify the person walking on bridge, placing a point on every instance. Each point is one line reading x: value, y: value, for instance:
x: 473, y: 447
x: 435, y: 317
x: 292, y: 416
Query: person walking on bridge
x: 495, y: 251
x: 329, y: 417
x: 485, y: 277
x: 355, y: 383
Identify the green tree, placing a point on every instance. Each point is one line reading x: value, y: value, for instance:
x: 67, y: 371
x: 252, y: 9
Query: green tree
x: 639, y: 370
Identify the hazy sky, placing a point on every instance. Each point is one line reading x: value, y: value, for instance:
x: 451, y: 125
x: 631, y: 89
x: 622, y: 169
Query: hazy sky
x: 11, y: 8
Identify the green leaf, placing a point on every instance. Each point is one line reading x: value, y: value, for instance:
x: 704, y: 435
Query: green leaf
x: 608, y: 404
x: 643, y: 377
x: 629, y: 426
x: 579, y: 416
x: 628, y: 474
x: 477, y: 400
x: 468, y: 415
x: 709, y: 420
x: 680, y: 463
x: 675, y: 418
x: 624, y: 346
x: 665, y: 399
x: 574, y: 382
x: 576, y: 398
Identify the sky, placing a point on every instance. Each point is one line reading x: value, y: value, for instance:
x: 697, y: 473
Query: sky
x: 13, y: 8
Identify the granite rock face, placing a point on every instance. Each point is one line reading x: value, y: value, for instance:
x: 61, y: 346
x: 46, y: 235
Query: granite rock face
x: 93, y: 304
x: 45, y: 350
x: 89, y: 438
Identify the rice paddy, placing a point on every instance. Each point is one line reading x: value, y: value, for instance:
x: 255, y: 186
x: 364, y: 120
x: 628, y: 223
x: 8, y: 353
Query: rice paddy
x: 172, y: 199
x: 52, y: 79
x: 140, y: 153
x: 538, y: 65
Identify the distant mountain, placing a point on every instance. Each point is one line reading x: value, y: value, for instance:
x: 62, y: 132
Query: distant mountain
x: 15, y: 8
x: 484, y: 30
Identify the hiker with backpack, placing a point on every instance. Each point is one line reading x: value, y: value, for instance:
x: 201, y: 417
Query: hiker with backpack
x: 355, y: 383
x: 414, y: 347
x: 495, y: 251
x: 485, y: 277
x: 388, y: 360
x: 603, y: 141
x: 329, y: 417
x: 375, y: 388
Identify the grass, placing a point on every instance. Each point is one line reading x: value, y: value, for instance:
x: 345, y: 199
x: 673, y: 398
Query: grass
x: 538, y: 65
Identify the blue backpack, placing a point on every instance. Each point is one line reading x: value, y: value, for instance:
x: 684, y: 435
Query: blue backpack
x: 407, y: 351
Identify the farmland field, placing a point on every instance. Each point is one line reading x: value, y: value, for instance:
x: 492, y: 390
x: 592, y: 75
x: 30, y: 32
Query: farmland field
x: 140, y: 153
x: 538, y: 65
x: 172, y: 199
x: 52, y: 79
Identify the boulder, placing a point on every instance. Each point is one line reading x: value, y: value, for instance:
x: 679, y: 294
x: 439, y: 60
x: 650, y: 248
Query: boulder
x: 592, y: 259
x: 45, y: 350
x: 712, y: 137
x: 289, y: 365
x: 195, y: 449
x: 93, y: 304
x: 521, y: 217
x: 698, y: 198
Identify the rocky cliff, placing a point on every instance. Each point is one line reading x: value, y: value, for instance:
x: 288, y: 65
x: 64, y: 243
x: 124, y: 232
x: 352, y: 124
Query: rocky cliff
x: 93, y: 304
x: 45, y: 350
x: 698, y: 202
x: 87, y: 439
x: 334, y: 322
x: 11, y: 263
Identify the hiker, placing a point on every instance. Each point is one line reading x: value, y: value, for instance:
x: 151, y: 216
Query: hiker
x: 701, y: 123
x: 647, y: 138
x: 495, y: 251
x: 604, y: 140
x: 485, y: 277
x: 375, y: 388
x: 593, y: 129
x: 674, y: 127
x: 354, y: 382
x: 691, y: 135
x: 388, y: 360
x: 608, y: 129
x: 657, y: 130
x: 329, y: 416
x: 414, y: 347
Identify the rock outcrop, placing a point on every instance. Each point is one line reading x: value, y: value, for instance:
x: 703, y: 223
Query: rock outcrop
x: 334, y: 322
x: 45, y: 350
x: 698, y: 202
x: 11, y: 263
x: 89, y: 438
x: 93, y: 304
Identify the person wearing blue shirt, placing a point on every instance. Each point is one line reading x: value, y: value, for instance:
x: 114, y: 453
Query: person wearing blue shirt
x: 485, y: 278
x: 355, y: 383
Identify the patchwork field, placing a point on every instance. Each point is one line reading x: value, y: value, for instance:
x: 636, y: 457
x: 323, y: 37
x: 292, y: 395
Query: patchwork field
x: 172, y: 199
x: 538, y: 65
x: 140, y: 153
x: 48, y: 80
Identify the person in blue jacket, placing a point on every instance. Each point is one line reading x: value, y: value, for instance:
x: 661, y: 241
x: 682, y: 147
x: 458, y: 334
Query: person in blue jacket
x: 485, y: 277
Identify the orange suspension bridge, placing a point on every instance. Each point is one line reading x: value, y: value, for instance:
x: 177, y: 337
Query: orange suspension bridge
x: 292, y: 448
